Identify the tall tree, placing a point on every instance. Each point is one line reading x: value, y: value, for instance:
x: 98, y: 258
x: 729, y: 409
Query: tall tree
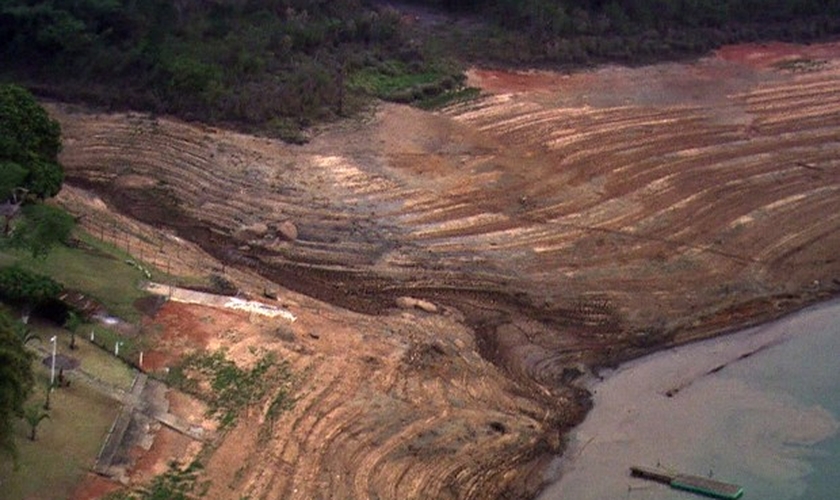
x: 29, y: 142
x: 29, y: 172
x: 16, y: 380
x: 40, y: 228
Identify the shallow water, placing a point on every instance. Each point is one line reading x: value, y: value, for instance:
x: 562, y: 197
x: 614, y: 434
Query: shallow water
x: 768, y: 420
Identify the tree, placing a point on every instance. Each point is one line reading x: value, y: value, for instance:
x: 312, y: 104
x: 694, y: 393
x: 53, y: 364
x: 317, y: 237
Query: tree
x: 12, y: 177
x: 25, y: 334
x: 16, y: 380
x: 29, y: 173
x: 34, y: 415
x: 40, y: 229
x: 72, y: 323
x: 29, y: 142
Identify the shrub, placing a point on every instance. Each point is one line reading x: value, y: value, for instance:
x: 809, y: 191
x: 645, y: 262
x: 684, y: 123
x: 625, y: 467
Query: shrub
x: 19, y: 286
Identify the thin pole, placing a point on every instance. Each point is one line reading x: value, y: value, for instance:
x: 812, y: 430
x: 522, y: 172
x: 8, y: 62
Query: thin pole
x: 52, y: 369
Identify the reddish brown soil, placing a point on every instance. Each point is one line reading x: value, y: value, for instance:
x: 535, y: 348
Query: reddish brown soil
x: 178, y: 328
x: 500, y: 81
x: 93, y: 487
x: 558, y: 222
x: 765, y: 55
x: 168, y: 445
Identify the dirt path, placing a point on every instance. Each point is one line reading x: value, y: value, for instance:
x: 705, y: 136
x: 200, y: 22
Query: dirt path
x: 559, y: 221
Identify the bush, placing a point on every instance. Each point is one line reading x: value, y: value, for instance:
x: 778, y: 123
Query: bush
x: 19, y: 286
x: 177, y: 483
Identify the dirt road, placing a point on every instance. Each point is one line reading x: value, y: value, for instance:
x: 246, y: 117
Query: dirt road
x: 559, y: 222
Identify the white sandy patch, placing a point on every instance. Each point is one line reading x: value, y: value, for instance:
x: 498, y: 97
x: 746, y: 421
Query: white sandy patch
x: 220, y: 301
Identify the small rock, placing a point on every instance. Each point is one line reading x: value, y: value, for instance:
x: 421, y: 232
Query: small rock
x: 414, y: 303
x: 254, y: 231
x: 287, y: 230
x: 259, y: 228
x: 315, y: 335
x: 426, y: 306
x: 406, y: 302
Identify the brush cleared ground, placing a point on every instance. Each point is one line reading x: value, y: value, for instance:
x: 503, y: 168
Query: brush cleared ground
x: 558, y: 223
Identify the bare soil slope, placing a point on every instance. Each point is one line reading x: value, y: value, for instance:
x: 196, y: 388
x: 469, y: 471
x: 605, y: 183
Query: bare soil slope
x: 562, y: 221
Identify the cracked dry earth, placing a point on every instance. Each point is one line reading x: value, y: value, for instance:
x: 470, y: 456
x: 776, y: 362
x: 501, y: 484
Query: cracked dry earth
x: 558, y: 223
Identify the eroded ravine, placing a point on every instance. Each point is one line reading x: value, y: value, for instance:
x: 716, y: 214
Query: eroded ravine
x: 578, y: 222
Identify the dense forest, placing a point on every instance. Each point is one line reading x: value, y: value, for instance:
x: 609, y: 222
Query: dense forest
x: 564, y: 18
x: 275, y: 65
x: 583, y: 32
x: 280, y: 65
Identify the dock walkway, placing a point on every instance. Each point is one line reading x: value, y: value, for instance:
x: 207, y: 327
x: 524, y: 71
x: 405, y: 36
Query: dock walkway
x: 696, y: 484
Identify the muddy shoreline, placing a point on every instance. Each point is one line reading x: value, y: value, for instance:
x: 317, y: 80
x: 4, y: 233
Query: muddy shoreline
x: 744, y: 404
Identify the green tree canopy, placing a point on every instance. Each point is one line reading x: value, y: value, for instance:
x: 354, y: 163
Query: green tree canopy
x: 12, y: 176
x: 16, y: 380
x: 29, y: 172
x: 40, y: 229
x: 29, y: 145
x: 22, y: 287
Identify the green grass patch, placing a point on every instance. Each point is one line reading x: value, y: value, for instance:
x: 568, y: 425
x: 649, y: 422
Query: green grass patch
x: 105, y: 338
x: 177, y: 483
x: 118, y: 252
x: 103, y: 276
x: 399, y: 82
x: 67, y: 443
x: 97, y: 359
x: 229, y: 389
x: 389, y: 79
x: 136, y: 270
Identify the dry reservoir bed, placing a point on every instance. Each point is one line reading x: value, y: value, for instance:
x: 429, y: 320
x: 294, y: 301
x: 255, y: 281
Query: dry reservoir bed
x: 556, y: 223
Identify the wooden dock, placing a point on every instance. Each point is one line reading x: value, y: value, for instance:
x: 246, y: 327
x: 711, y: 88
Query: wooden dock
x: 695, y: 484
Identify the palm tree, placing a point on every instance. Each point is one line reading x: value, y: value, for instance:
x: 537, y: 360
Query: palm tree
x: 34, y: 415
x: 25, y: 334
x: 72, y: 323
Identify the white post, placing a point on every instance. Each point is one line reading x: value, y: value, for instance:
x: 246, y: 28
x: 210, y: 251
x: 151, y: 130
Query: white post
x: 91, y: 335
x: 117, y: 348
x: 141, y: 359
x: 52, y: 369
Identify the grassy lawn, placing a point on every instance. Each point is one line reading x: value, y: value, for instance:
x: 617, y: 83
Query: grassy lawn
x: 80, y: 416
x: 95, y: 360
x: 67, y: 443
x: 101, y: 273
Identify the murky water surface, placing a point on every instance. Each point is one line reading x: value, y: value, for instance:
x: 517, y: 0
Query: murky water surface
x: 767, y: 420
